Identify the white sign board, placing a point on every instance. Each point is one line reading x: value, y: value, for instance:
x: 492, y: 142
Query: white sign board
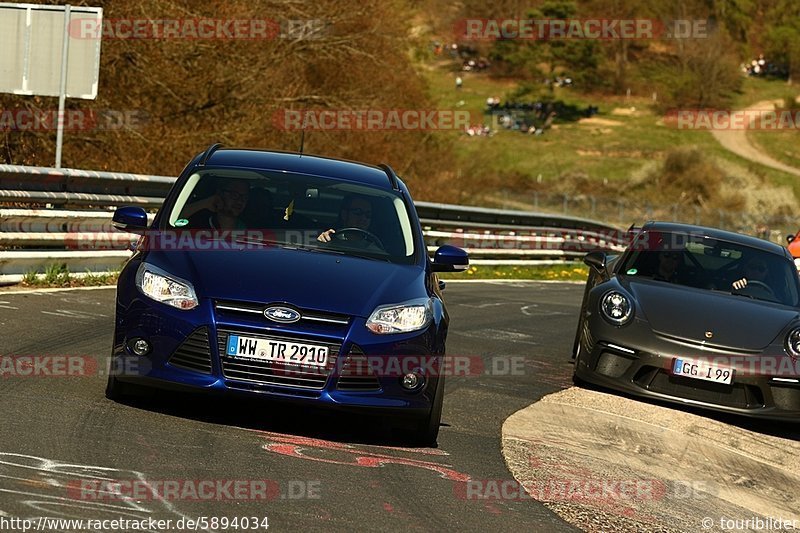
x: 32, y: 44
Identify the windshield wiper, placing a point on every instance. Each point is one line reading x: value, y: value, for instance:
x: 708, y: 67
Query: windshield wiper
x: 320, y: 249
x: 349, y: 252
x: 374, y: 258
x: 260, y: 242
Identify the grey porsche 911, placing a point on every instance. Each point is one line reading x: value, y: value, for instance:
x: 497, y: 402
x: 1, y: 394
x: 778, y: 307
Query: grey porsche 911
x: 696, y: 316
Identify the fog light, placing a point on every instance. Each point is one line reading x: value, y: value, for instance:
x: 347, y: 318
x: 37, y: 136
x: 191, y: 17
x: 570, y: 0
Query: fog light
x: 411, y: 381
x: 139, y: 346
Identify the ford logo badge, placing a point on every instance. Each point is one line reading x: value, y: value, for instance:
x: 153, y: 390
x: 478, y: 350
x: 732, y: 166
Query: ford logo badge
x: 284, y: 315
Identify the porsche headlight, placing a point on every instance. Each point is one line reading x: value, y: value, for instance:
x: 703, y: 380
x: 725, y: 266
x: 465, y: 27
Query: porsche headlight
x: 793, y: 342
x: 616, y: 308
x: 401, y: 318
x: 165, y: 288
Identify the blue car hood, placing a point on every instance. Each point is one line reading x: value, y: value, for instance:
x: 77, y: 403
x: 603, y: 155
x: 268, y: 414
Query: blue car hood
x: 311, y: 280
x: 736, y: 322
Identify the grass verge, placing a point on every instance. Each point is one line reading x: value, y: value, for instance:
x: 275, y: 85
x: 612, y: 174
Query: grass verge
x: 561, y: 272
x: 58, y: 275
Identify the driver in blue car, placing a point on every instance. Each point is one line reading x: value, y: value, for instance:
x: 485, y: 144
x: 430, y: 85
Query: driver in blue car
x: 355, y: 218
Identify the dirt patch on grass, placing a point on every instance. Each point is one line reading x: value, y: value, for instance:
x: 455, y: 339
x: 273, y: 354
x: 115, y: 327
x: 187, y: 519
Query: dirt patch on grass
x: 597, y: 121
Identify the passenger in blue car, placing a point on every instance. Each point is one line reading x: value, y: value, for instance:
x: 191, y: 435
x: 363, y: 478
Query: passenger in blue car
x: 222, y: 210
x: 355, y: 219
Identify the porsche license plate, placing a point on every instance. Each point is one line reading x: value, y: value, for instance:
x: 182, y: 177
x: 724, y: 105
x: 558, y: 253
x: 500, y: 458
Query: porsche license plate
x: 293, y: 353
x: 699, y: 370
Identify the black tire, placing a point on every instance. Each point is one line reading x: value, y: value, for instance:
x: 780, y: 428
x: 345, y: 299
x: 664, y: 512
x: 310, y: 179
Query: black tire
x: 577, y: 381
x: 115, y: 390
x: 427, y: 430
x: 581, y: 313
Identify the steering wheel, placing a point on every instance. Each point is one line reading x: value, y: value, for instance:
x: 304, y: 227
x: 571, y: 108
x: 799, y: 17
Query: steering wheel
x: 759, y: 285
x: 368, y: 235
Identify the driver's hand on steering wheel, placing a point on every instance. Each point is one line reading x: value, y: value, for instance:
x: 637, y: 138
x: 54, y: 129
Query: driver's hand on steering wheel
x: 740, y: 284
x: 325, y: 236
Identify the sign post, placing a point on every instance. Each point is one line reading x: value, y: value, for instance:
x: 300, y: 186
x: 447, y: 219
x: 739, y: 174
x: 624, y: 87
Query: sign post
x: 62, y: 90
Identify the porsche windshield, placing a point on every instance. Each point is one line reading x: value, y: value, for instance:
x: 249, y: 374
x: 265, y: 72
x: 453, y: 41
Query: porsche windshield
x: 294, y: 210
x: 706, y: 263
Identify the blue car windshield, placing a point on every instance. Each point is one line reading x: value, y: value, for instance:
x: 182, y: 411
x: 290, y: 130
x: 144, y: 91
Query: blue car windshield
x: 298, y: 211
x: 705, y: 263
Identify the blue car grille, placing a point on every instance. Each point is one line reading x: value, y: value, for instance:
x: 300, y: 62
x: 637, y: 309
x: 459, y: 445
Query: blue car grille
x: 355, y: 374
x: 255, y: 311
x: 276, y: 373
x: 194, y: 353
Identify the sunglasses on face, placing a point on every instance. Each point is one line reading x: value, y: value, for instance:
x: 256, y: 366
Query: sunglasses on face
x: 758, y: 267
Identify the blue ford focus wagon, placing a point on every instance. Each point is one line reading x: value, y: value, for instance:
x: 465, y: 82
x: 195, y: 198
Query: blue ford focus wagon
x: 290, y: 277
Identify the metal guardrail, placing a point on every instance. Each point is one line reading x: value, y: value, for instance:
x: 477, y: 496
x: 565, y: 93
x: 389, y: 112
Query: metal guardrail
x: 85, y: 239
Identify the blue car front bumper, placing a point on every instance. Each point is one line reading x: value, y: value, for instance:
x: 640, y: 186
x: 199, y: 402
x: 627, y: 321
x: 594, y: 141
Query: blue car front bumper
x: 363, y: 372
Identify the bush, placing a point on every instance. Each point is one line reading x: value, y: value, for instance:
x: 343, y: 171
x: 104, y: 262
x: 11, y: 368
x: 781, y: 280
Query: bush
x: 690, y: 178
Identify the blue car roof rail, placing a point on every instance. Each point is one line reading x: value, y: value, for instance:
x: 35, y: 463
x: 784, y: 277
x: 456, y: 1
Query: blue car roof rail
x: 209, y: 151
x: 391, y: 175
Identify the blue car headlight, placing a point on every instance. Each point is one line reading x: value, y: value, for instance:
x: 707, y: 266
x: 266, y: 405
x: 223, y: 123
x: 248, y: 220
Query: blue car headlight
x: 401, y: 318
x: 165, y: 288
x: 616, y: 308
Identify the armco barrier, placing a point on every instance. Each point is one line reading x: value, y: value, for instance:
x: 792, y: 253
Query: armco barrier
x: 32, y: 238
x: 70, y: 185
x: 14, y: 264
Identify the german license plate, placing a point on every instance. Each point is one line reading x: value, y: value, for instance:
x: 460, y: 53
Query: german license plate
x: 294, y: 353
x: 699, y: 370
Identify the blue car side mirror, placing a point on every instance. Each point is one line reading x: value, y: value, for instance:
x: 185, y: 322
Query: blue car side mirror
x: 130, y: 219
x: 450, y: 259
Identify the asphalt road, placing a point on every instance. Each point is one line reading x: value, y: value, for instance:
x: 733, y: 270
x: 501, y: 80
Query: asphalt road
x: 63, y: 443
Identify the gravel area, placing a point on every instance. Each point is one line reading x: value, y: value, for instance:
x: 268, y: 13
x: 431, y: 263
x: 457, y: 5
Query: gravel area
x: 605, y: 462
